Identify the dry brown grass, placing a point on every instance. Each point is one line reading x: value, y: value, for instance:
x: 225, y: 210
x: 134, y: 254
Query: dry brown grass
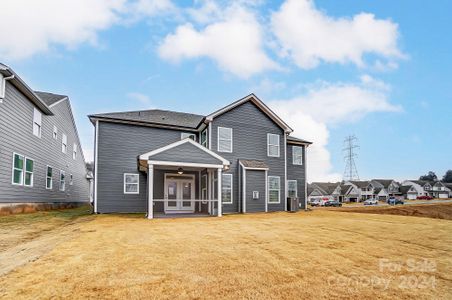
x: 260, y: 256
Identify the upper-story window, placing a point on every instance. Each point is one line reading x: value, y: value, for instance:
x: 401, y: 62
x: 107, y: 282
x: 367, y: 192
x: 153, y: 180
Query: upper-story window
x: 273, y: 145
x: 55, y: 133
x: 74, y: 151
x: 49, y: 178
x: 37, y: 122
x: 427, y: 187
x: 224, y: 139
x: 64, y: 143
x: 185, y: 135
x: 297, y: 155
x: 204, y: 138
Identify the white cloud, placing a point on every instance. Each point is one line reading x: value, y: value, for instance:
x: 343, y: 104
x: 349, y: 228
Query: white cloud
x: 141, y: 98
x: 324, y: 105
x: 234, y: 41
x: 309, y: 36
x: 31, y: 27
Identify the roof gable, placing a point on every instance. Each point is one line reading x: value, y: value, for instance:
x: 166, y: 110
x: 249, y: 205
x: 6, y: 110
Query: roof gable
x: 256, y: 101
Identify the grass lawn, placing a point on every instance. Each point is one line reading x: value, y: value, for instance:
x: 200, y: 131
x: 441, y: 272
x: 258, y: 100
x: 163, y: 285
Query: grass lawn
x: 279, y: 255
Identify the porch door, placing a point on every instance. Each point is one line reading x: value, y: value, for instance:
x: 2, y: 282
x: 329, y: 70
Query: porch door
x: 180, y: 194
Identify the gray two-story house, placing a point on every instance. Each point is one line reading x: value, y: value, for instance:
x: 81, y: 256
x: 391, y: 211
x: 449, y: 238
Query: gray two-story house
x: 41, y: 159
x: 238, y: 159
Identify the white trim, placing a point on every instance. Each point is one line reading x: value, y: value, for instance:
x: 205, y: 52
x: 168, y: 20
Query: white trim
x: 193, y: 194
x: 296, y: 187
x: 218, y: 139
x: 209, y: 127
x: 150, y: 191
x: 206, y: 187
x: 199, y: 189
x: 12, y: 173
x: 285, y: 172
x: 244, y: 189
x: 220, y: 203
x: 51, y: 178
x: 32, y: 172
x: 293, y: 155
x: 96, y: 152
x: 259, y: 104
x: 210, y: 189
x: 253, y: 168
x: 59, y: 101
x: 207, y: 138
x: 232, y: 188
x: 279, y: 190
x: 64, y: 143
x: 59, y: 181
x: 37, y: 120
x: 55, y: 133
x: 137, y: 183
x: 268, y: 145
x: 182, y: 164
x: 187, y: 135
x: 266, y: 190
x: 146, y: 156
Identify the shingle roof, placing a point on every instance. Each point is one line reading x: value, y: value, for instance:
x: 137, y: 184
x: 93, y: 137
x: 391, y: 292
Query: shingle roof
x: 254, y: 164
x: 156, y: 116
x: 297, y: 140
x: 49, y: 98
x: 361, y: 184
x: 344, y: 189
x: 421, y: 182
x: 405, y: 188
x: 384, y: 182
x: 327, y: 187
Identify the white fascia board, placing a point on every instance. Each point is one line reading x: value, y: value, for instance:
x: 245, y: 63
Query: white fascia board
x: 183, y: 164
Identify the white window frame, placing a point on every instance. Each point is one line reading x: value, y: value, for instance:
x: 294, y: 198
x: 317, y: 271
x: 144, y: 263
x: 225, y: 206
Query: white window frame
x: 47, y: 177
x: 137, y: 183
x: 71, y: 179
x: 184, y: 135
x: 55, y: 132
x: 269, y: 189
x: 277, y: 145
x: 218, y: 140
x: 32, y: 172
x: 37, y: 122
x: 296, y: 187
x: 231, y: 188
x: 62, y: 187
x: 74, y: 151
x: 203, y: 143
x: 294, y: 162
x: 64, y: 143
x: 22, y: 170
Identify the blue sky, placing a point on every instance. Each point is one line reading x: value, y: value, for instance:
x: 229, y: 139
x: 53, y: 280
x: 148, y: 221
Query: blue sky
x: 380, y: 70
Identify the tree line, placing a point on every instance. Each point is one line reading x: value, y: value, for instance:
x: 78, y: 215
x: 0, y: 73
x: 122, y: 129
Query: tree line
x: 431, y: 176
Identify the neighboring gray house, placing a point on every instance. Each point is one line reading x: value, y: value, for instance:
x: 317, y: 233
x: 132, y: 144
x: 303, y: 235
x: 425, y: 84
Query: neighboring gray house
x: 360, y: 191
x: 324, y: 191
x: 385, y: 188
x: 164, y: 162
x: 41, y: 159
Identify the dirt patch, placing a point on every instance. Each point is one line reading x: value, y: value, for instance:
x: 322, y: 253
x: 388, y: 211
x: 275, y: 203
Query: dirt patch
x: 436, y: 210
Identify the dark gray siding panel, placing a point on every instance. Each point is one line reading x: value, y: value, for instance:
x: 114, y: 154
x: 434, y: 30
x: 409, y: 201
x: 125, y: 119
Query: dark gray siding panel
x: 16, y: 135
x: 255, y: 181
x: 250, y: 127
x: 186, y: 153
x: 298, y: 173
x: 119, y: 148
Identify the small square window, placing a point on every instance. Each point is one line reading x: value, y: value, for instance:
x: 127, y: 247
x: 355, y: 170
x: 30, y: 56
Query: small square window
x: 131, y: 183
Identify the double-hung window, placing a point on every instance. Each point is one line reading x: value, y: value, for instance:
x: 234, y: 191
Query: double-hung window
x: 49, y: 178
x: 185, y: 135
x: 74, y: 151
x: 272, y: 145
x: 55, y: 132
x: 64, y: 143
x: 204, y: 138
x: 274, y: 189
x: 226, y: 188
x: 131, y: 183
x: 62, y: 181
x: 224, y: 139
x: 37, y: 122
x: 292, y: 188
x: 297, y: 155
x: 23, y: 168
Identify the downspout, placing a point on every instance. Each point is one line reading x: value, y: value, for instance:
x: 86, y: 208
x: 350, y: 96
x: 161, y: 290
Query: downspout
x: 306, y: 177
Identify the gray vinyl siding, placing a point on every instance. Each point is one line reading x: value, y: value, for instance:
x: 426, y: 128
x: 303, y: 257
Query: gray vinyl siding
x: 298, y: 173
x: 249, y: 135
x: 255, y: 181
x: 119, y: 146
x: 186, y: 153
x: 16, y: 135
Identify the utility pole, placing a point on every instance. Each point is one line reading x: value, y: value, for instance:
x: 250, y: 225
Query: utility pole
x: 350, y: 144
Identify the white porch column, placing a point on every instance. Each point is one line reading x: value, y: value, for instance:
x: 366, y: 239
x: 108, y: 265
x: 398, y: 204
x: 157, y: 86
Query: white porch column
x: 210, y: 192
x: 150, y: 191
x: 220, y: 204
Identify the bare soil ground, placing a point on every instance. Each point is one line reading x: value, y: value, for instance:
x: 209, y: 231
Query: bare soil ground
x: 317, y: 254
x: 435, y: 210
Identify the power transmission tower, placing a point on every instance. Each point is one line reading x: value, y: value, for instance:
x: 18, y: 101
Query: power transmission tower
x: 350, y: 144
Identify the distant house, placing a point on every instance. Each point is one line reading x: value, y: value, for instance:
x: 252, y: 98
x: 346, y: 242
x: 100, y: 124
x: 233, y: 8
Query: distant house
x: 361, y: 191
x: 41, y: 159
x: 440, y: 190
x: 324, y: 190
x: 428, y: 188
x: 408, y: 192
x: 449, y: 188
x: 385, y: 188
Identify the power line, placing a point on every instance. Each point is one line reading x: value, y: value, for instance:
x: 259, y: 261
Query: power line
x: 350, y: 144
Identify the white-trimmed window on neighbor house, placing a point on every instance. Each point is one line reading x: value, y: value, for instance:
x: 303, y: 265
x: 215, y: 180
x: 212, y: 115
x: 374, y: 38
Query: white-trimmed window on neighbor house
x: 272, y: 145
x: 185, y: 135
x: 74, y: 151
x: 274, y: 189
x: 204, y: 138
x: 49, y: 178
x: 226, y: 188
x: 62, y: 181
x: 55, y: 133
x: 297, y: 155
x: 131, y: 183
x: 64, y: 143
x: 292, y: 191
x: 37, y: 122
x: 224, y: 139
